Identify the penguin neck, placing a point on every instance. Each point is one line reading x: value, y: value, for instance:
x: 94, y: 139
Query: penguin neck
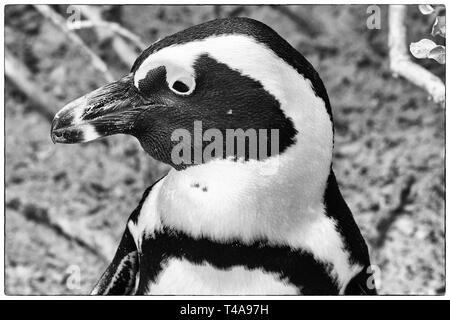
x: 248, y: 200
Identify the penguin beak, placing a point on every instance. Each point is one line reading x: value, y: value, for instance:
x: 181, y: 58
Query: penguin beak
x: 109, y: 110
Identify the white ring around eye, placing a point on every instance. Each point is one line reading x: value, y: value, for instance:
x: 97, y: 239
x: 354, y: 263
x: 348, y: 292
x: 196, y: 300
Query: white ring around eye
x: 187, y: 81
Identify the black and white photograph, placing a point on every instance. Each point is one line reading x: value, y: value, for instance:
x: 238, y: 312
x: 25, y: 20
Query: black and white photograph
x: 227, y: 150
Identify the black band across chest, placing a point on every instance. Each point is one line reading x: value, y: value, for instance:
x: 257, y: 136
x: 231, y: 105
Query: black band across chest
x: 297, y: 267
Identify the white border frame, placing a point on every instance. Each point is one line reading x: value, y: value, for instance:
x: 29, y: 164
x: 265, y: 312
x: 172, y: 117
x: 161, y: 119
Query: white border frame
x: 267, y: 298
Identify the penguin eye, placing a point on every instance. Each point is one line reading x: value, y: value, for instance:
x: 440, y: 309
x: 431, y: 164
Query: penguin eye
x: 183, y: 86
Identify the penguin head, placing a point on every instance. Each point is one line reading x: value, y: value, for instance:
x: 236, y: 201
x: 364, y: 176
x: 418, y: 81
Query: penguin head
x: 222, y: 75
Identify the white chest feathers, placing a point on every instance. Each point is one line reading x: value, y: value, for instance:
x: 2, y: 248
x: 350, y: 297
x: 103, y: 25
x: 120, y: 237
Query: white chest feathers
x: 246, y: 212
x: 181, y: 277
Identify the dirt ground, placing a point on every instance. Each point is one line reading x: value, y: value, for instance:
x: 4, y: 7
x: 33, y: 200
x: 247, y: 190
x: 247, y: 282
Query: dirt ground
x: 66, y: 205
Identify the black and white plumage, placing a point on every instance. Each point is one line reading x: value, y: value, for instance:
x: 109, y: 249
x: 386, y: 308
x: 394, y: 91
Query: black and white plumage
x: 227, y: 226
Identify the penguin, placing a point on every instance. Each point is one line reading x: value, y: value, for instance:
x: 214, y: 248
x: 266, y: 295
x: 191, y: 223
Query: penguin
x: 233, y: 223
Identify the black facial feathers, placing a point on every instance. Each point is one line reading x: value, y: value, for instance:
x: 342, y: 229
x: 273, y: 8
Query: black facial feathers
x: 154, y: 79
x: 223, y: 99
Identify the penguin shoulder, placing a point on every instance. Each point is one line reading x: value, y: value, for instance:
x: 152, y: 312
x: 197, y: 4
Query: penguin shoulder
x: 144, y: 219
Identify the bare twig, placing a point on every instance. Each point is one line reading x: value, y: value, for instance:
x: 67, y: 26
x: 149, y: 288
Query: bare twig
x: 114, y: 27
x: 400, y: 61
x: 61, y: 23
x: 95, y: 19
x: 122, y: 49
x: 385, y: 223
x: 22, y: 78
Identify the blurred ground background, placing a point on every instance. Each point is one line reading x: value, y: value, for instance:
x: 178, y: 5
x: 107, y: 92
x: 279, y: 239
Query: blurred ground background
x: 66, y: 205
